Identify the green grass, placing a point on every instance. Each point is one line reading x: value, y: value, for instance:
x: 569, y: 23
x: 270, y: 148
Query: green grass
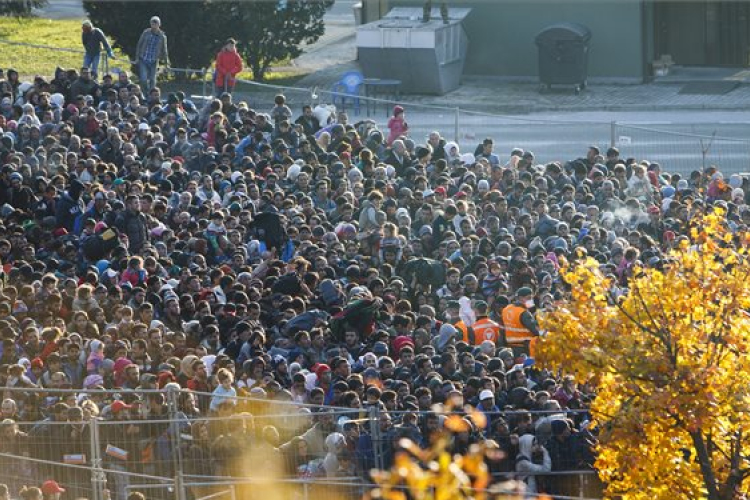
x: 66, y: 34
x: 32, y: 61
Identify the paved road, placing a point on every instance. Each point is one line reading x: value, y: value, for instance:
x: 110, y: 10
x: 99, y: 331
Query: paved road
x: 676, y: 140
x: 551, y: 136
x: 63, y: 9
x: 336, y: 46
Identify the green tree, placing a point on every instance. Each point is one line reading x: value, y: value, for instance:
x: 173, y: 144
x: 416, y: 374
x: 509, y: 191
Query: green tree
x: 191, y: 34
x: 268, y: 32
x: 20, y: 8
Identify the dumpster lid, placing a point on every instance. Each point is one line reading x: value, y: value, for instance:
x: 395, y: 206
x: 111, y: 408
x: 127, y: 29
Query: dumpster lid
x: 562, y: 32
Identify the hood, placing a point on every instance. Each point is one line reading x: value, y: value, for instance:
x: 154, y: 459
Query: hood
x: 525, y: 443
x: 186, y: 363
x: 335, y: 442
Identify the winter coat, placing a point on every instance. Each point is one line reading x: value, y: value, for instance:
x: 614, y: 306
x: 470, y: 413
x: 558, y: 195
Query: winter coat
x: 526, y: 468
x: 67, y: 210
x: 228, y: 64
x: 162, y: 53
x: 134, y: 226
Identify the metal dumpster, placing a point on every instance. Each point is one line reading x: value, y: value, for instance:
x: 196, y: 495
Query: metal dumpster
x: 564, y: 55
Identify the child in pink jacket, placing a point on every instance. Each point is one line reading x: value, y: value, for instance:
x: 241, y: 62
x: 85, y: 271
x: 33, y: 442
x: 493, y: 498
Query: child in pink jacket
x: 397, y: 124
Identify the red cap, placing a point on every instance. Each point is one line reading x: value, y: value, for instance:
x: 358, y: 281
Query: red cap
x: 460, y: 194
x: 401, y: 342
x: 57, y: 233
x: 440, y: 190
x: 50, y: 487
x: 118, y: 406
x: 397, y: 110
x: 653, y: 209
x: 37, y: 363
x: 320, y: 369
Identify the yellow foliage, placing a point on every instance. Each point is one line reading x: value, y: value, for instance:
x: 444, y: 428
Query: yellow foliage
x: 433, y: 474
x: 670, y: 364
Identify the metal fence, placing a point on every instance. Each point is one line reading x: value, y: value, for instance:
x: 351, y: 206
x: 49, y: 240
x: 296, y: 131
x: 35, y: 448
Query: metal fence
x: 148, y: 440
x: 679, y: 148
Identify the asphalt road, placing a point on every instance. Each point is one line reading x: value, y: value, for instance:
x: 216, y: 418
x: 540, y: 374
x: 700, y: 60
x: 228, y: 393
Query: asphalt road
x: 680, y: 141
x: 676, y: 140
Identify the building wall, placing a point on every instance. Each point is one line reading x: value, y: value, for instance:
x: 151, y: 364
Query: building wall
x: 501, y: 34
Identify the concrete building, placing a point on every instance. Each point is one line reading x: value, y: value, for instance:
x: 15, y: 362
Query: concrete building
x: 628, y: 36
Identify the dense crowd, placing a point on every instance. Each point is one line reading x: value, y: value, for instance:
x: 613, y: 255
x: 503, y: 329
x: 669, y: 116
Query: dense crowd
x: 260, y: 261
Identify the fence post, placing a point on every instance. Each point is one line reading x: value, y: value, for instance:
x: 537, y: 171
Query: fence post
x: 377, y: 445
x: 613, y: 134
x: 179, y: 486
x: 205, y: 72
x: 98, y: 477
x: 176, y: 440
x: 456, y: 124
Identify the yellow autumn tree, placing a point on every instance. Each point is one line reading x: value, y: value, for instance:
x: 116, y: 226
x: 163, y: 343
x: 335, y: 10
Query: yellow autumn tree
x: 435, y: 474
x: 670, y: 363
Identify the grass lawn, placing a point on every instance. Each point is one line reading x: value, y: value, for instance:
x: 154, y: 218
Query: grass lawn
x: 32, y: 61
x: 66, y: 34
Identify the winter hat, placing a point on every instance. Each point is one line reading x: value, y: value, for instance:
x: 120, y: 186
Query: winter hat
x: 320, y: 368
x: 446, y: 333
x: 559, y: 426
x: 93, y: 381
x: 380, y: 349
x: 401, y: 342
x: 735, y: 181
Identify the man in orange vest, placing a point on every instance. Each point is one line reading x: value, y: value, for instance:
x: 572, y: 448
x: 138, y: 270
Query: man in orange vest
x: 484, y: 327
x: 521, y: 328
x: 454, y: 318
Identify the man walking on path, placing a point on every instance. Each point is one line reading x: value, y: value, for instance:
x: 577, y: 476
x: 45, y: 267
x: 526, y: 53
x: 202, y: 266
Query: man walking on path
x: 92, y: 40
x: 151, y: 48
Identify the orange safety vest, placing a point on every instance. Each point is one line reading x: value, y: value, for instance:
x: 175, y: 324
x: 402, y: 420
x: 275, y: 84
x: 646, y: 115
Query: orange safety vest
x: 486, y: 329
x: 467, y: 333
x: 515, y: 333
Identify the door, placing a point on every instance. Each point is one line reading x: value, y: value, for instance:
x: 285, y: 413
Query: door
x: 703, y: 33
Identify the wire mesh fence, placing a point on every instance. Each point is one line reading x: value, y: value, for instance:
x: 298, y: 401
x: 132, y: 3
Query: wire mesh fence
x: 681, y: 148
x: 108, y: 443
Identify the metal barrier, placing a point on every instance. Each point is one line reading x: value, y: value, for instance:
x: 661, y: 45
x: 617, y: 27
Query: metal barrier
x: 150, y: 438
x: 680, y: 149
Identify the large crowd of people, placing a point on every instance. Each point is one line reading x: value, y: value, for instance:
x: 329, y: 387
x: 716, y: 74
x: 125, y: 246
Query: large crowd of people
x: 267, y: 261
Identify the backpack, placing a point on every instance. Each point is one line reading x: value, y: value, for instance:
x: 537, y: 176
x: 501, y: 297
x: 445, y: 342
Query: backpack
x: 97, y: 247
x: 289, y: 284
x: 427, y: 272
x: 330, y: 293
x: 305, y: 321
x: 359, y: 314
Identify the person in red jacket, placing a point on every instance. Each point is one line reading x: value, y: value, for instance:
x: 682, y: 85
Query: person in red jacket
x: 228, y: 64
